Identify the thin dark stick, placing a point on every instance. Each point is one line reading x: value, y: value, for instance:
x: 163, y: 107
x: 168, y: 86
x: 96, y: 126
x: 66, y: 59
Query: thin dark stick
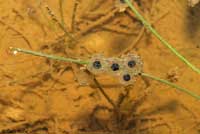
x: 16, y: 31
x: 104, y: 93
x: 61, y: 26
x: 61, y: 12
x: 74, y: 15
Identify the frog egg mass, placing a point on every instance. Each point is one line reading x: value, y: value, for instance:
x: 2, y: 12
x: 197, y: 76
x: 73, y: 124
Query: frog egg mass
x: 126, y: 68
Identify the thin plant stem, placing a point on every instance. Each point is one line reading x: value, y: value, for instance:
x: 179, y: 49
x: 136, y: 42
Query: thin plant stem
x: 62, y: 27
x: 61, y: 12
x: 77, y: 61
x: 162, y: 40
x: 172, y: 85
x: 83, y: 62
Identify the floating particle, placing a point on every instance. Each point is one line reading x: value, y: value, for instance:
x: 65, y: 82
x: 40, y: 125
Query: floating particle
x: 121, y: 5
x: 12, y: 51
x: 15, y: 52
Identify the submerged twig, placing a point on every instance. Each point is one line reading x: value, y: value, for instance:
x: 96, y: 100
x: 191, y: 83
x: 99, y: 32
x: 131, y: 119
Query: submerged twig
x: 62, y: 27
x: 162, y: 40
x: 61, y: 12
x: 23, y: 125
x: 16, y: 31
x: 104, y: 94
x: 100, y: 21
x: 74, y: 15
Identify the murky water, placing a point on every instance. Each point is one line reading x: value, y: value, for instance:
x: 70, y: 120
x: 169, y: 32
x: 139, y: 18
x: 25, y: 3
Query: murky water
x: 40, y: 96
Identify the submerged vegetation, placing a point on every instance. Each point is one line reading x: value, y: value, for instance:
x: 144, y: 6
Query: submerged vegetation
x: 125, y: 66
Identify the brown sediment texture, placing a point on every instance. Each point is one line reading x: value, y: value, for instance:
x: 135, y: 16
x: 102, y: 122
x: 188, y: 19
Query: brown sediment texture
x: 40, y: 96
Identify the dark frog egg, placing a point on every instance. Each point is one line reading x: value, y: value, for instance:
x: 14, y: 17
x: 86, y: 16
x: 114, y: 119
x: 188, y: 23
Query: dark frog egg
x: 115, y: 66
x: 131, y: 63
x: 97, y: 64
x: 126, y: 77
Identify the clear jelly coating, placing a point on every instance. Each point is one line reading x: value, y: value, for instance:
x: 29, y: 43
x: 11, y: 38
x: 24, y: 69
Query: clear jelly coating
x: 97, y: 64
x: 126, y: 68
x: 126, y: 78
x: 133, y: 64
x: 115, y: 65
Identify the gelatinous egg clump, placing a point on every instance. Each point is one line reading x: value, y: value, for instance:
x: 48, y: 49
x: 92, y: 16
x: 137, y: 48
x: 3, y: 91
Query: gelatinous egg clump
x: 126, y: 68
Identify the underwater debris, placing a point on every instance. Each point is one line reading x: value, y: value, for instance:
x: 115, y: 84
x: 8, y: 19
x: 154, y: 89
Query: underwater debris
x: 121, y: 5
x: 192, y: 3
x: 173, y: 74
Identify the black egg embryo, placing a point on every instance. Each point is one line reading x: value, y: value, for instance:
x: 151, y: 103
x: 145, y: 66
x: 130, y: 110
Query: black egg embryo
x: 115, y: 66
x: 127, y: 77
x: 131, y: 63
x: 97, y: 64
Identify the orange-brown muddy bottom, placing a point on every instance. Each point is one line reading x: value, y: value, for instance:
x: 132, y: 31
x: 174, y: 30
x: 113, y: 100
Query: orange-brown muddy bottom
x: 40, y: 96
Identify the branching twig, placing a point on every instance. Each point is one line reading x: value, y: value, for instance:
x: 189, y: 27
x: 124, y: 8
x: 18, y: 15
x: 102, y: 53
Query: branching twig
x: 61, y: 12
